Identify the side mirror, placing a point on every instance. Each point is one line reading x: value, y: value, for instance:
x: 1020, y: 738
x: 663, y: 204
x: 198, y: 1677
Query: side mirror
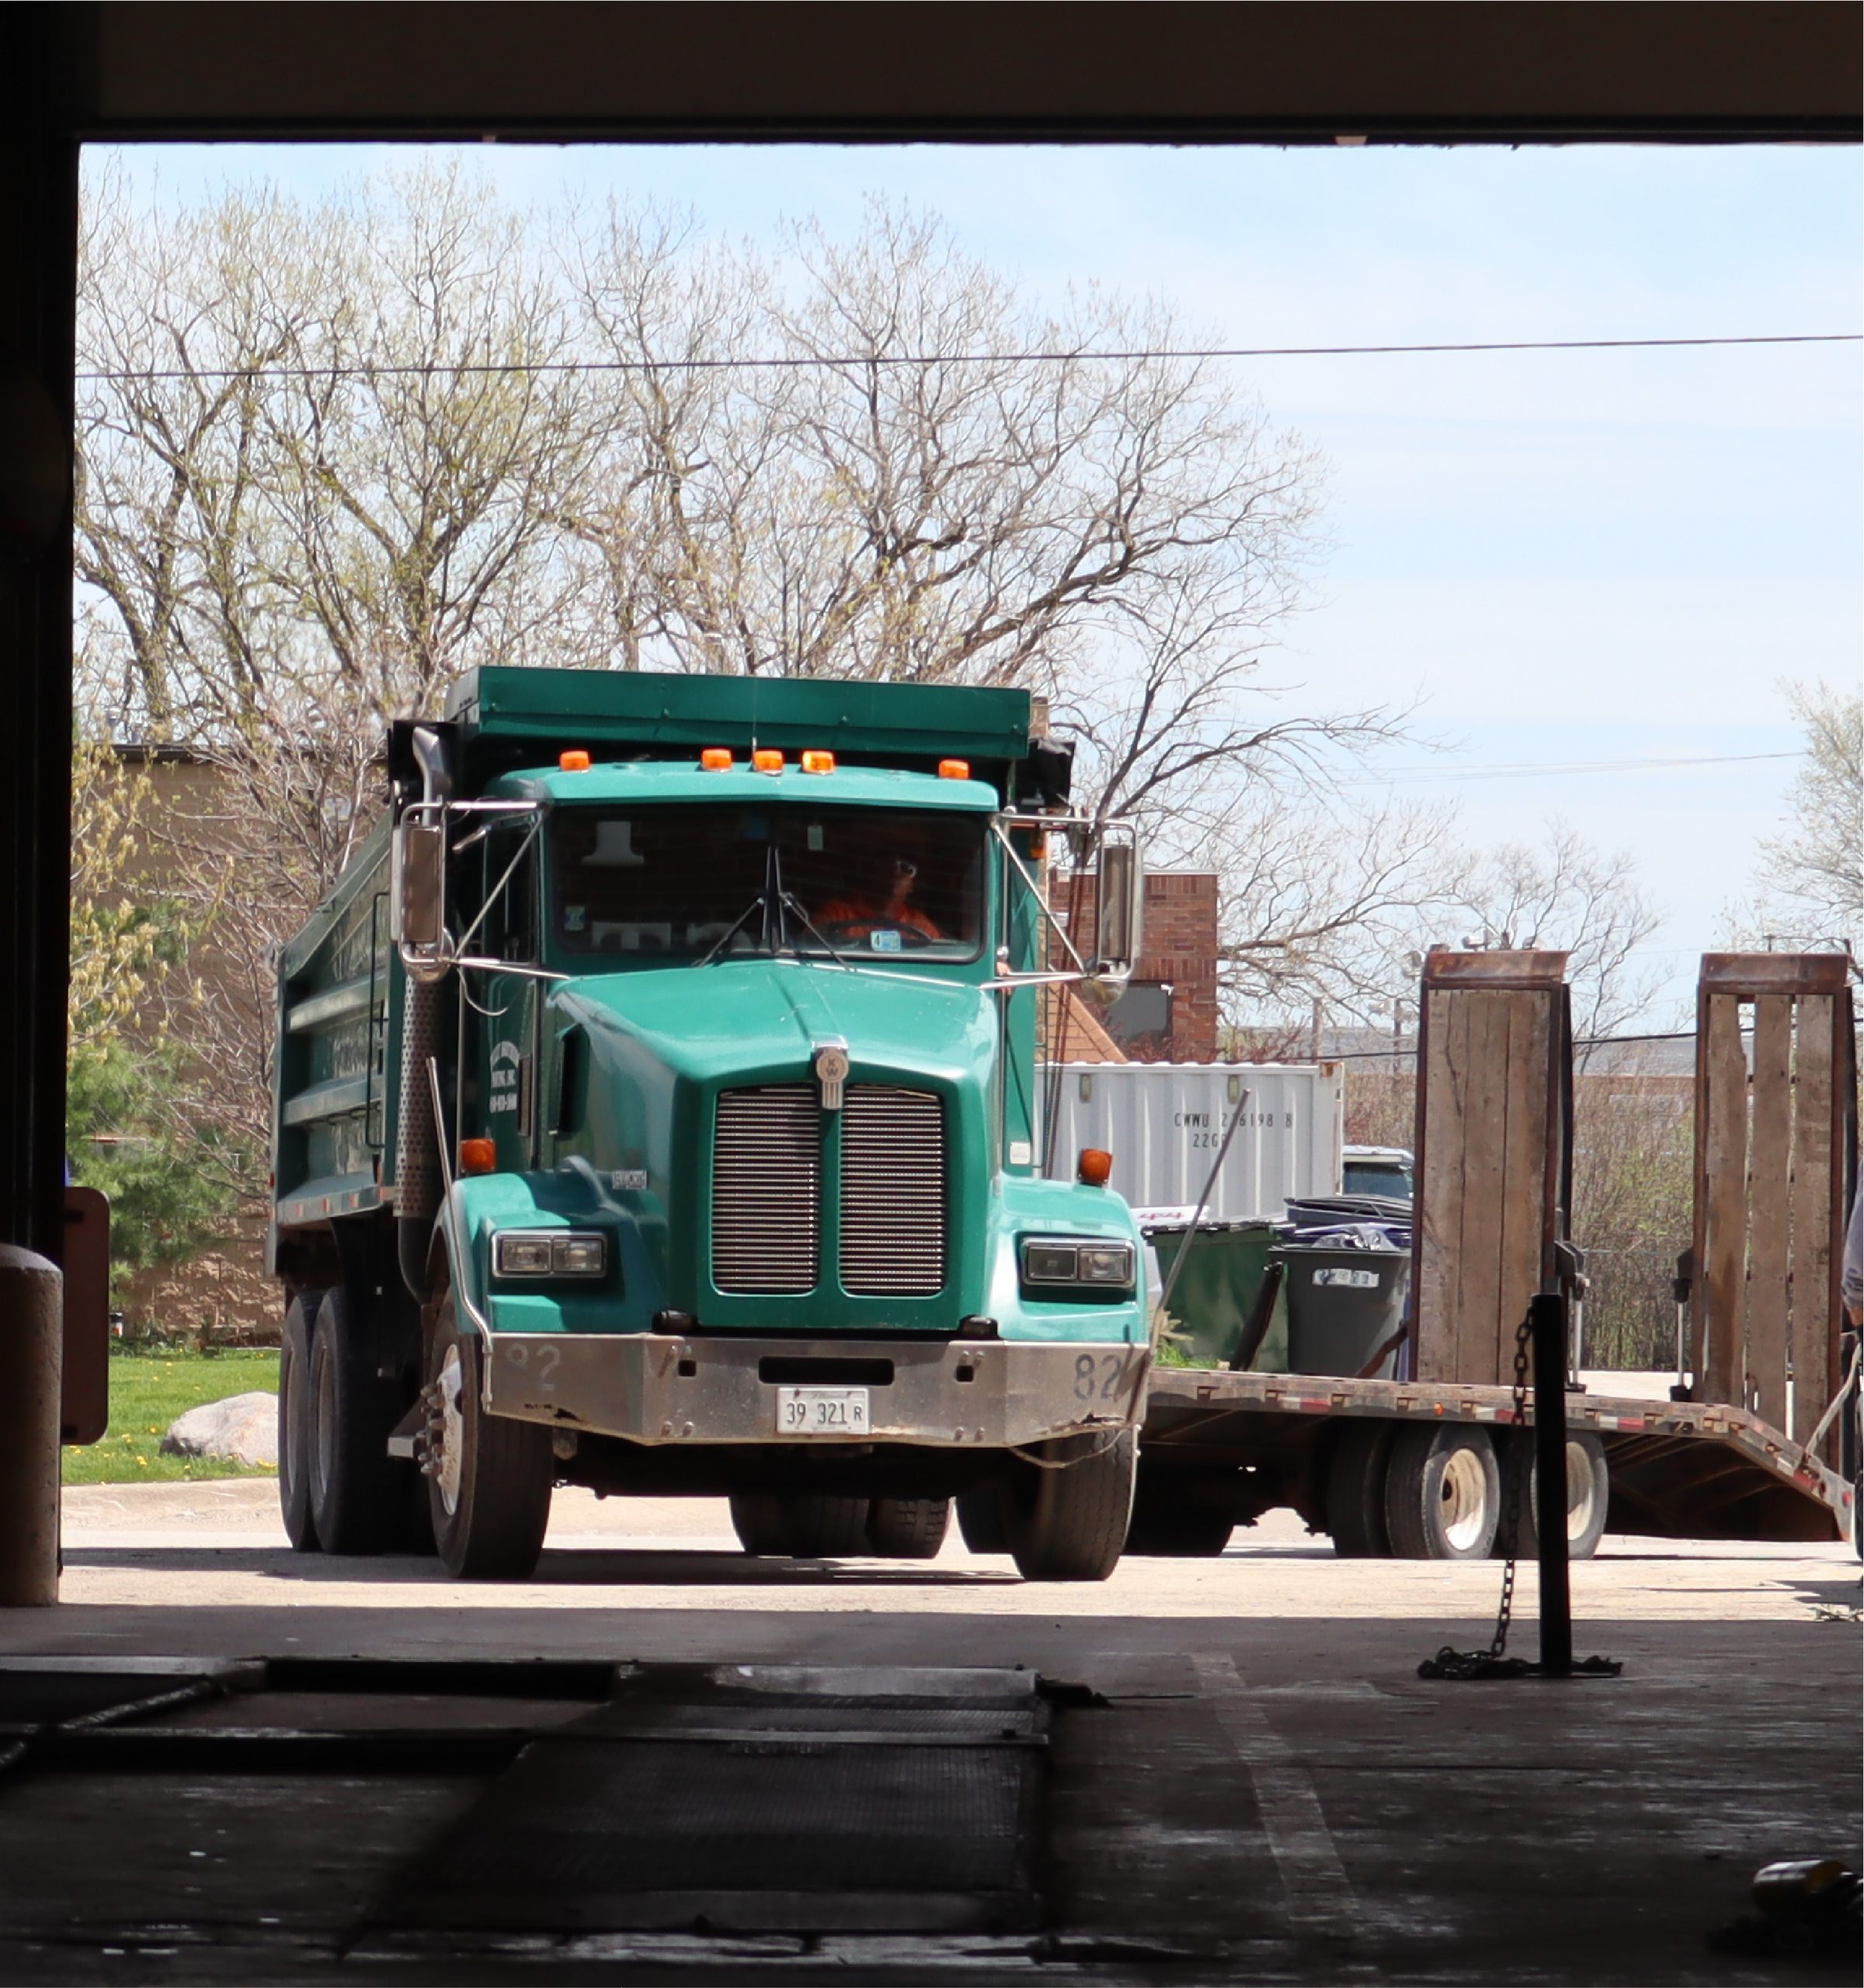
x: 1119, y: 909
x: 418, y: 887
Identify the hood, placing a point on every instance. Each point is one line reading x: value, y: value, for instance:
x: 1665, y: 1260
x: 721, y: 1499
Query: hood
x: 763, y: 1019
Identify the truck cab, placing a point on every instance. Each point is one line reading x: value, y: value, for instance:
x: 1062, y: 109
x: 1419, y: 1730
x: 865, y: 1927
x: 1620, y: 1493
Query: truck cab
x: 710, y: 1162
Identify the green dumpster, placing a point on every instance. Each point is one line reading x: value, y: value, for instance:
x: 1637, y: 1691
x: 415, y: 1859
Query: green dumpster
x: 1212, y: 1299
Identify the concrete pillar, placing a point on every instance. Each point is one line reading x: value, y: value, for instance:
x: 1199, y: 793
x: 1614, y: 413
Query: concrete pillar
x: 32, y: 1331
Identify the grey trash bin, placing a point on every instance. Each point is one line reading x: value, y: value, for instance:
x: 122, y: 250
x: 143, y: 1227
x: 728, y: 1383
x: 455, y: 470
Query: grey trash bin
x: 1345, y: 1305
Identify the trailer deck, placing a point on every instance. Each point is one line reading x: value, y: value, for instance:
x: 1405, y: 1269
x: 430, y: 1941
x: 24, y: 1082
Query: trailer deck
x: 1678, y: 1469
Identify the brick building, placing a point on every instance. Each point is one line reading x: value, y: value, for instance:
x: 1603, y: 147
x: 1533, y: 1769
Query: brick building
x: 1169, y: 1011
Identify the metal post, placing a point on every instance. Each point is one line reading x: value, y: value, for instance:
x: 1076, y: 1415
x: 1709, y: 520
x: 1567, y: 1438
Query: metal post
x: 32, y: 1327
x: 1547, y: 1315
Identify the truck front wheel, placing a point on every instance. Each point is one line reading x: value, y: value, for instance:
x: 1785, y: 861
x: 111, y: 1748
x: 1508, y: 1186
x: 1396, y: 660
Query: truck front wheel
x: 489, y: 1478
x: 1066, y: 1517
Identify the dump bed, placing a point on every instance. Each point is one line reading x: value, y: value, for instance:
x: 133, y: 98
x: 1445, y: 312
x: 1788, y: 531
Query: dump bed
x: 338, y: 1007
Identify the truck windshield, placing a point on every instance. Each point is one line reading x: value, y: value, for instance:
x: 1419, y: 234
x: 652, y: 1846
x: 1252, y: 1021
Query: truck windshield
x: 675, y: 880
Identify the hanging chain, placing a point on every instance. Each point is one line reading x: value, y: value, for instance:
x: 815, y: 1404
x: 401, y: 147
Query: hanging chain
x: 1517, y: 1490
x: 1494, y: 1662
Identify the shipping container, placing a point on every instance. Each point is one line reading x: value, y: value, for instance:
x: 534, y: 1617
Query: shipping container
x: 1165, y: 1123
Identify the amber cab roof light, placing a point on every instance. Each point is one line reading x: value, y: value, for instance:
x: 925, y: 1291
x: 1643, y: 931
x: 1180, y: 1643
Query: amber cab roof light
x: 767, y: 759
x: 716, y: 759
x: 1094, y: 1169
x: 814, y: 761
x: 574, y: 761
x: 954, y: 768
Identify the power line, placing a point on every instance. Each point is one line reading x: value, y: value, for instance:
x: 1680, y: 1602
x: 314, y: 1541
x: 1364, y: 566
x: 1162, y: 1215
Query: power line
x: 1527, y: 767
x: 767, y: 362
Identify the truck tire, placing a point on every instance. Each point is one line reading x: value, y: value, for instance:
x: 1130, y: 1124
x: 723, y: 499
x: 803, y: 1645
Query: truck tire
x: 1355, y: 1490
x: 295, y: 1421
x: 814, y: 1526
x: 1070, y: 1524
x: 908, y: 1528
x: 1588, y: 1493
x: 757, y: 1519
x: 489, y: 1492
x: 1442, y: 1492
x: 980, y: 1520
x: 356, y: 1490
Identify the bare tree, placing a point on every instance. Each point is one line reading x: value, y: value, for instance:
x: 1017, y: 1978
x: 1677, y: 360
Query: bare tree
x: 1812, y: 873
x: 1570, y: 897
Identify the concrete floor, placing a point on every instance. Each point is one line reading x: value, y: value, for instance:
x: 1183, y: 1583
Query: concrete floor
x: 1267, y: 1792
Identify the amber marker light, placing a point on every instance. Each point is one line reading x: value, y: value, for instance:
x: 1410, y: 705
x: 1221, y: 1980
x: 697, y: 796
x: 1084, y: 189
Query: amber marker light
x: 954, y: 768
x: 767, y: 759
x: 1094, y: 1169
x: 716, y: 759
x: 818, y: 763
x: 573, y: 761
x: 479, y: 1157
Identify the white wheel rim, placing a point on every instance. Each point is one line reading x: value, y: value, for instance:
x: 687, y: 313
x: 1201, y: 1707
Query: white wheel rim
x: 1465, y: 1499
x: 1582, y: 1491
x: 453, y: 1431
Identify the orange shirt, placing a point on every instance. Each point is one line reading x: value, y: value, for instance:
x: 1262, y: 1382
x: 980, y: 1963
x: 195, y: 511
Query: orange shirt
x: 859, y: 913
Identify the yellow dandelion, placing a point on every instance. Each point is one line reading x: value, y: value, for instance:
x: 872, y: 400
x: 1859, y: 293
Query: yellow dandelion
x: 143, y: 1462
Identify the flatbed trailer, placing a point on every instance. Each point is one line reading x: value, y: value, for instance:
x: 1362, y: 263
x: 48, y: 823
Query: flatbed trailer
x: 1234, y: 1445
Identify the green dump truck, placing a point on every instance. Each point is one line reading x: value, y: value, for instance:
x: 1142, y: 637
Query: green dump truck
x: 656, y: 1112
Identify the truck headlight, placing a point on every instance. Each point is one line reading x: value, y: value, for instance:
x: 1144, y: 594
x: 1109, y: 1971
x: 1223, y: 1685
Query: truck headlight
x: 1105, y: 1266
x: 550, y: 1252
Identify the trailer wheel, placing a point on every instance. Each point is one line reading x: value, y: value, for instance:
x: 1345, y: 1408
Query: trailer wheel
x: 1070, y: 1524
x: 1442, y: 1492
x: 489, y: 1492
x: 356, y: 1490
x: 295, y: 1430
x: 757, y: 1519
x: 980, y: 1520
x: 814, y: 1526
x: 1355, y: 1490
x: 1588, y: 1493
x: 908, y: 1528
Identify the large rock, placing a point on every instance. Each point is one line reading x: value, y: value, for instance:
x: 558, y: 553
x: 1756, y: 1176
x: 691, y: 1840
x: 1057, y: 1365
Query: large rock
x: 244, y: 1427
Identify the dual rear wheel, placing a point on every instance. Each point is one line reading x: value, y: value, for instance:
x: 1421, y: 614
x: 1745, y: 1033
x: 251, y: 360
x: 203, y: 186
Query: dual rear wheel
x: 339, y: 1491
x: 1446, y: 1491
x: 809, y: 1526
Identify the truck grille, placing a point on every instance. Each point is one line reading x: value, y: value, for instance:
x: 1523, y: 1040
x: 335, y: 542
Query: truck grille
x: 893, y: 1192
x: 766, y: 1189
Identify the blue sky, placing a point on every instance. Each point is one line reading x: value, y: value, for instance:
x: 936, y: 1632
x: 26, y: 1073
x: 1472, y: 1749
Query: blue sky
x: 1595, y: 556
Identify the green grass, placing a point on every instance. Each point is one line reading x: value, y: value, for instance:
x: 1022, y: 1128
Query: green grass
x: 148, y: 1390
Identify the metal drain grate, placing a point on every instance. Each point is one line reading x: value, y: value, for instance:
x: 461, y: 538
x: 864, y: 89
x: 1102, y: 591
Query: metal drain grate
x: 739, y: 1809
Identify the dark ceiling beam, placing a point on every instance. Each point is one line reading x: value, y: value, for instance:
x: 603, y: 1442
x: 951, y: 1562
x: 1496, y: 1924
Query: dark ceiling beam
x: 1524, y: 70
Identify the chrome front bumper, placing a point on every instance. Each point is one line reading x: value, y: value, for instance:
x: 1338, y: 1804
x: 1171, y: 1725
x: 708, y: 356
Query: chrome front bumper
x: 663, y: 1387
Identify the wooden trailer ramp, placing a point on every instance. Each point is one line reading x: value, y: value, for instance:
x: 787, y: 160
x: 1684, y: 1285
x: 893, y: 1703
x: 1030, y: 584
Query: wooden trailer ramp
x: 1775, y: 1150
x: 1679, y: 1470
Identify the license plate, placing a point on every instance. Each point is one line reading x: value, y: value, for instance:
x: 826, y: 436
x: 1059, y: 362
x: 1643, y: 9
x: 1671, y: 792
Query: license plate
x: 822, y: 1411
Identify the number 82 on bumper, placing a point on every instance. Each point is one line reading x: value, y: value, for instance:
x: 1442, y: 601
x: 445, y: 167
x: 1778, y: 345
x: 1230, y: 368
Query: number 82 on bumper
x: 822, y: 1412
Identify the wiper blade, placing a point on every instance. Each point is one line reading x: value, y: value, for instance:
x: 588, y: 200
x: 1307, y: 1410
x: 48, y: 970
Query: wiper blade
x: 724, y: 938
x: 789, y: 904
